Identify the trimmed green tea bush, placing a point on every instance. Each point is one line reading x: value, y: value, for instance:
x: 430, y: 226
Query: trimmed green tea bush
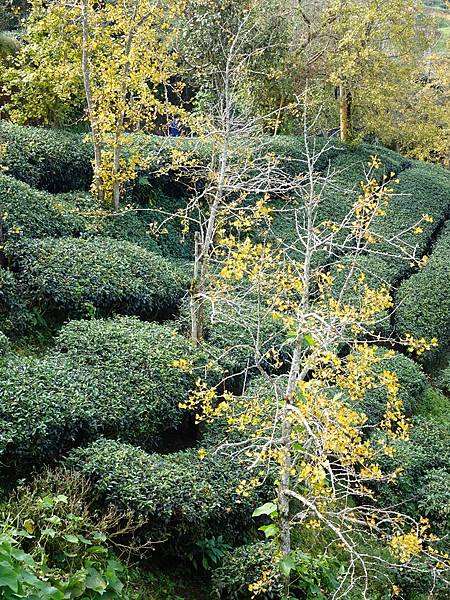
x: 27, y: 212
x: 434, y: 404
x: 48, y: 159
x: 178, y: 494
x: 36, y: 214
x: 422, y: 486
x: 412, y: 386
x: 241, y: 567
x: 444, y: 380
x: 113, y: 377
x: 70, y: 274
x: 5, y: 346
x: 242, y: 335
x: 238, y: 334
x: 423, y: 301
x: 13, y: 313
x: 422, y: 190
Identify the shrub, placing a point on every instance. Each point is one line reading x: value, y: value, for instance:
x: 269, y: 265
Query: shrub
x: 241, y: 335
x: 112, y: 377
x: 422, y: 190
x: 69, y: 274
x: 31, y: 213
x: 5, y: 346
x: 179, y: 495
x: 47, y: 159
x: 238, y: 334
x: 444, y: 379
x: 171, y: 241
x: 423, y: 300
x: 13, y: 314
x: 421, y: 486
x: 412, y: 386
x: 53, y: 545
x: 241, y: 567
x: 433, y: 404
x: 313, y: 574
x: 36, y: 214
x: 351, y: 162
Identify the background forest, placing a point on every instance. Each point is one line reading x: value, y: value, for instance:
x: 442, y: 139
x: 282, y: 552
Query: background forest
x: 224, y: 299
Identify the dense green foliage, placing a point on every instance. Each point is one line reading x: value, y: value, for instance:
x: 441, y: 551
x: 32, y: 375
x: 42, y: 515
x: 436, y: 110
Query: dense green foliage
x: 106, y: 377
x: 54, y: 544
x: 422, y: 487
x: 104, y: 396
x: 423, y: 299
x: 179, y: 494
x: 28, y: 212
x: 47, y: 159
x: 241, y: 567
x: 13, y: 314
x: 412, y: 387
x: 73, y: 274
x: 33, y: 213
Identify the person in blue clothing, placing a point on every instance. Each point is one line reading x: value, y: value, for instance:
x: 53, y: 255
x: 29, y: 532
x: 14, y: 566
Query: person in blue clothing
x: 175, y: 127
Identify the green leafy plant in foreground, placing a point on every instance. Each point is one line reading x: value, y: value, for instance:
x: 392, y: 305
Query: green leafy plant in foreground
x: 53, y: 546
x: 22, y: 576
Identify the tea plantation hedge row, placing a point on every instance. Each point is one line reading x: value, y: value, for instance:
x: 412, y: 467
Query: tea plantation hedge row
x: 424, y: 300
x: 13, y: 313
x: 33, y: 213
x: 112, y: 377
x: 179, y: 494
x: 60, y: 161
x: 412, y: 387
x: 30, y: 213
x: 67, y: 274
x: 47, y: 159
x: 423, y: 485
x: 238, y: 334
x: 410, y: 376
x: 422, y: 190
x: 347, y: 168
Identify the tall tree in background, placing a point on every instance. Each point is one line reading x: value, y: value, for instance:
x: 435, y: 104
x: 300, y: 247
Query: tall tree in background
x: 126, y: 54
x: 119, y: 53
x: 368, y: 63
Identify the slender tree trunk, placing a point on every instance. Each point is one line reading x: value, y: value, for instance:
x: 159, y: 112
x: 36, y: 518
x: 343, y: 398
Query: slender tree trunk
x: 297, y: 372
x: 116, y: 169
x: 203, y: 247
x: 286, y: 462
x: 278, y: 120
x: 90, y: 103
x: 345, y: 116
x: 123, y: 99
x: 197, y: 307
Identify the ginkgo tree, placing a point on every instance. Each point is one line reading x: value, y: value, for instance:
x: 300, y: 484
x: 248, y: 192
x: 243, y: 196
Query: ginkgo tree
x: 119, y: 55
x: 306, y: 429
x: 126, y: 54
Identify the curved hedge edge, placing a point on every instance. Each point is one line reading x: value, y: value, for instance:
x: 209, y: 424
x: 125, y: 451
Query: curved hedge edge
x: 27, y: 212
x: 119, y: 378
x: 74, y: 276
x: 180, y: 495
x: 47, y: 159
x: 423, y: 300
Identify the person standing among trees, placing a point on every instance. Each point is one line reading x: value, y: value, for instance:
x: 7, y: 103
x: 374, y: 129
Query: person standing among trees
x: 175, y: 127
